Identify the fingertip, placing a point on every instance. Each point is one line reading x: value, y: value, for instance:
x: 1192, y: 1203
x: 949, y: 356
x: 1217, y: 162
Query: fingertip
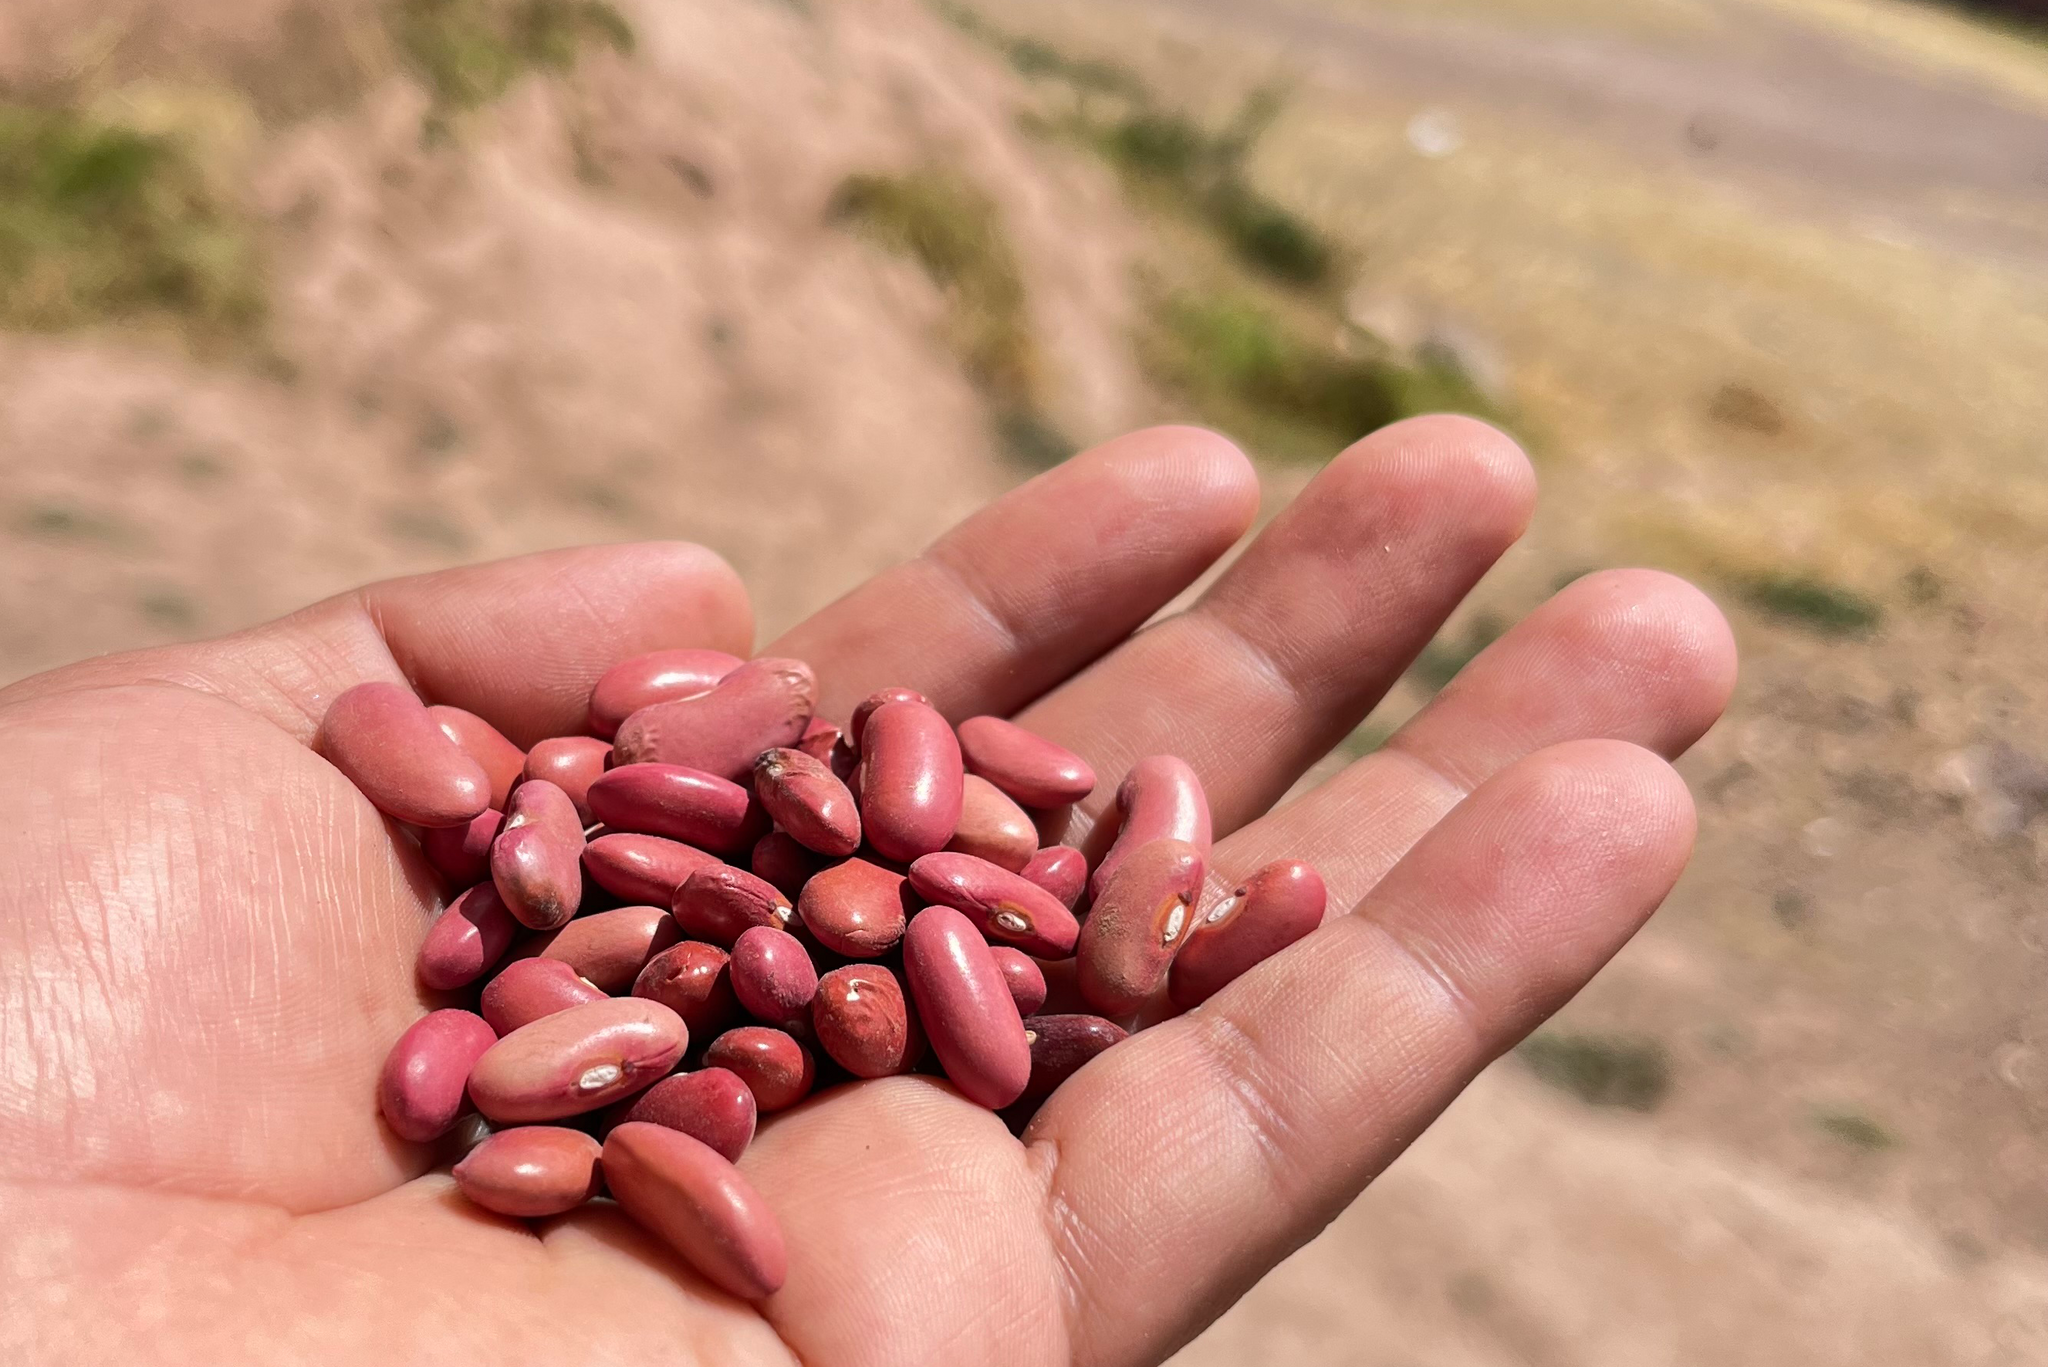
x: 1671, y: 639
x: 1474, y: 461
x: 1193, y: 467
x: 1604, y: 801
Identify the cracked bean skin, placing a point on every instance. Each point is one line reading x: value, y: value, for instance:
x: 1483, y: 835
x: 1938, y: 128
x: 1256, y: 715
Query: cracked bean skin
x: 684, y: 1193
x: 1025, y: 979
x: 501, y: 760
x: 720, y: 903
x: 680, y: 803
x: 773, y: 978
x: 1160, y: 799
x: 992, y: 827
x: 467, y: 940
x: 577, y: 1060
x: 462, y: 854
x: 610, y: 948
x: 1137, y: 926
x: 694, y: 980
x: 537, y: 859
x: 531, y: 1172
x: 1061, y: 1045
x: 571, y: 763
x: 965, y: 1008
x: 857, y: 909
x: 382, y: 739
x: 1061, y: 870
x: 1006, y: 907
x: 1261, y: 916
x: 779, y: 859
x: 862, y: 1019
x: 643, y: 868
x: 527, y: 989
x: 777, y: 1068
x: 763, y: 704
x: 421, y: 1087
x: 808, y: 801
x: 857, y: 724
x: 1025, y: 765
x: 911, y: 782
x: 659, y: 676
x: 711, y: 1105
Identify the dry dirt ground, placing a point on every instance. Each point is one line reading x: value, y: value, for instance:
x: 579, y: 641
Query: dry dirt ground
x: 608, y: 305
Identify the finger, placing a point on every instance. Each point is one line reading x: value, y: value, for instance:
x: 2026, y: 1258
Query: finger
x: 1194, y: 1157
x: 1290, y: 649
x: 1040, y: 582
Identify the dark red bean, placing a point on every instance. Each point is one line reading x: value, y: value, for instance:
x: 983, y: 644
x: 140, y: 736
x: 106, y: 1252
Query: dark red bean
x: 661, y: 676
x: 777, y: 1070
x: 462, y: 854
x: 711, y: 1105
x: 693, y: 980
x: 1138, y: 925
x: 910, y: 781
x: 856, y: 908
x: 807, y: 800
x: 857, y: 724
x: 527, y: 989
x: 531, y: 1172
x: 1006, y: 907
x: 571, y: 763
x: 1061, y: 1045
x: 421, y: 1087
x: 1026, y: 980
x: 380, y: 736
x: 1161, y: 798
x: 466, y: 940
x: 779, y: 859
x: 773, y: 978
x: 821, y: 739
x: 762, y: 704
x: 1061, y: 870
x: 501, y: 760
x: 537, y: 859
x: 683, y: 804
x: 643, y: 868
x: 720, y: 903
x: 1023, y: 764
x: 612, y: 947
x: 682, y: 1192
x: 1261, y: 916
x: 862, y: 1019
x: 965, y: 1007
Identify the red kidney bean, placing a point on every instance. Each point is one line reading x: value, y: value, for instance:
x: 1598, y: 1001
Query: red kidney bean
x: 380, y: 736
x: 762, y: 704
x: 577, y: 1060
x: 660, y: 676
x: 1260, y: 917
x: 682, y: 1192
x: 501, y: 760
x: 462, y: 854
x: 857, y: 724
x: 537, y: 859
x: 711, y: 1105
x: 779, y: 859
x: 421, y: 1088
x: 821, y: 739
x: 1007, y: 907
x: 571, y: 763
x: 466, y: 940
x: 719, y: 903
x: 1160, y: 799
x: 1023, y: 764
x: 856, y: 908
x: 992, y: 827
x: 610, y: 948
x: 1060, y: 1045
x: 965, y: 1007
x: 683, y: 804
x: 776, y: 1069
x: 531, y: 1172
x: 1025, y: 978
x: 808, y: 801
x: 862, y: 1019
x: 1061, y: 870
x: 693, y: 980
x: 773, y: 978
x: 527, y: 989
x: 642, y: 868
x: 911, y: 781
x: 1138, y: 925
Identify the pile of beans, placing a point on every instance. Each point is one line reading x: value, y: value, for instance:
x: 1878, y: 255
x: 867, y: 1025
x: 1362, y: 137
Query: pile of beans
x: 717, y: 901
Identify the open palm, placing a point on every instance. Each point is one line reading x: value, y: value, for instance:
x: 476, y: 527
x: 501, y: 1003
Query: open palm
x: 207, y: 936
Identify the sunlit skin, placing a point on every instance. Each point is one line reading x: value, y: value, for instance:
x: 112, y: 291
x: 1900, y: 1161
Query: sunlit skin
x: 209, y: 935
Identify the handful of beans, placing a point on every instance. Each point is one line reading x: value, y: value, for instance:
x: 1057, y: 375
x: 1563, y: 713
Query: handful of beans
x: 717, y: 877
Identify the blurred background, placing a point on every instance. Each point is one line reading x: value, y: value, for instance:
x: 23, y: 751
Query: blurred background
x: 295, y: 293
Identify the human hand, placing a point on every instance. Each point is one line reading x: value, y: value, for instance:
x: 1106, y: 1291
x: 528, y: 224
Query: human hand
x: 209, y: 934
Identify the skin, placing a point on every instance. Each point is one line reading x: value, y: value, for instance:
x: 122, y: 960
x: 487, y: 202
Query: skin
x: 209, y: 936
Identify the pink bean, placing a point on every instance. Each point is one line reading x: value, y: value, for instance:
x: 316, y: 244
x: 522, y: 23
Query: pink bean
x: 577, y: 1060
x: 531, y: 1172
x: 992, y: 827
x: 777, y: 1070
x: 720, y: 903
x: 1061, y: 1045
x: 501, y: 760
x: 380, y: 736
x: 466, y: 940
x: 807, y: 800
x: 762, y: 704
x: 683, y: 804
x: 537, y: 860
x: 911, y: 781
x: 779, y: 859
x: 693, y: 980
x: 682, y: 1192
x: 711, y: 1105
x: 642, y: 868
x: 1138, y: 925
x: 863, y: 1020
x: 571, y: 763
x: 661, y: 676
x: 1007, y: 907
x: 1061, y: 870
x: 421, y: 1088
x: 773, y: 978
x: 1025, y: 978
x: 1160, y: 799
x: 1023, y: 764
x: 610, y: 948
x: 462, y: 854
x: 527, y: 989
x: 1263, y: 915
x: 857, y: 724
x: 855, y: 908
x: 965, y: 1007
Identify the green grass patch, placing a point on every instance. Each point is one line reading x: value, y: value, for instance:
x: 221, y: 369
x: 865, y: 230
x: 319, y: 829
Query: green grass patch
x: 1813, y: 604
x: 469, y: 52
x: 1038, y: 60
x: 1856, y: 1130
x: 1600, y: 1070
x: 1442, y: 659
